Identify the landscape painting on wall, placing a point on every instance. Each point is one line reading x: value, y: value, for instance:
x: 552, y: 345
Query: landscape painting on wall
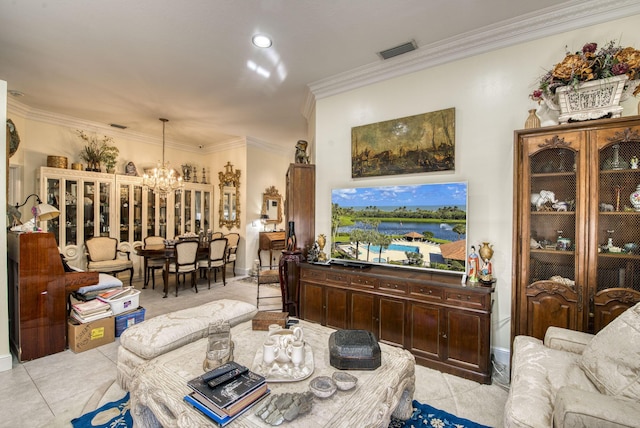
x: 413, y: 144
x: 416, y: 226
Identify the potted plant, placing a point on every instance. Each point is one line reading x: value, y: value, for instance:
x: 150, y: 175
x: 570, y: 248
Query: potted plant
x: 591, y: 83
x: 97, y: 151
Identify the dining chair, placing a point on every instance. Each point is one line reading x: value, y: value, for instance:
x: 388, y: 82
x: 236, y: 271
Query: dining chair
x: 215, y: 260
x: 232, y: 249
x: 104, y: 256
x: 185, y: 262
x: 153, y: 263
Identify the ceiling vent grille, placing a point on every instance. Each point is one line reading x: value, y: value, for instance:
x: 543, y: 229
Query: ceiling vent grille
x: 398, y: 50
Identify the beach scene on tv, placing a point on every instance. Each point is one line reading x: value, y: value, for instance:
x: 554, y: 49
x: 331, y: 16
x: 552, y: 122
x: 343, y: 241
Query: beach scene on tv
x: 418, y: 226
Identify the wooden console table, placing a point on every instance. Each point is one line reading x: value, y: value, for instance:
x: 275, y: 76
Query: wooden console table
x: 445, y: 325
x: 270, y: 241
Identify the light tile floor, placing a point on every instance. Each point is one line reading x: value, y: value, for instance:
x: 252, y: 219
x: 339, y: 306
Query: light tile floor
x: 50, y: 391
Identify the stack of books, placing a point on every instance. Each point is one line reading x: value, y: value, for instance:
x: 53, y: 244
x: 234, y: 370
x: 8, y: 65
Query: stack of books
x: 92, y: 310
x: 226, y: 392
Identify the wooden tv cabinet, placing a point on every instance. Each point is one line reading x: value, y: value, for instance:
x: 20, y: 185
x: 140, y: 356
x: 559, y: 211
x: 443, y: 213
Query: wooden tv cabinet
x: 445, y: 325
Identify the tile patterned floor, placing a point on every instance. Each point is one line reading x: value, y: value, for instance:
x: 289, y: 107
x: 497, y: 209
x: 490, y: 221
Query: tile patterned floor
x: 50, y: 391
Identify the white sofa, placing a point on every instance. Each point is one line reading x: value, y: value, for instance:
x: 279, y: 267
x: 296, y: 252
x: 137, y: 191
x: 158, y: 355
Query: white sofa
x: 156, y: 336
x: 575, y: 379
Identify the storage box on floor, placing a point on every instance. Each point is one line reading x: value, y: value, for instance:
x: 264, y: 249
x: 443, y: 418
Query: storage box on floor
x: 83, y: 337
x: 125, y: 320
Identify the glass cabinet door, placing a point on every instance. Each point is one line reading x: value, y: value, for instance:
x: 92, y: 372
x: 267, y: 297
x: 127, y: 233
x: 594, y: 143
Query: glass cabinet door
x: 105, y: 219
x: 187, y: 211
x: 177, y: 213
x: 617, y: 241
x: 88, y: 212
x: 53, y: 198
x: 206, y: 213
x: 124, y: 212
x: 553, y: 243
x: 137, y: 213
x: 162, y: 216
x: 198, y: 211
x: 151, y: 213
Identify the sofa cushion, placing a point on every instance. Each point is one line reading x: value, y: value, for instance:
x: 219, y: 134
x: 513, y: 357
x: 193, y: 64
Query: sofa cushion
x: 611, y: 360
x: 164, y: 333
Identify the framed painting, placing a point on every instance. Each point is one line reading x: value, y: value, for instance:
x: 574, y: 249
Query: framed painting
x: 409, y: 145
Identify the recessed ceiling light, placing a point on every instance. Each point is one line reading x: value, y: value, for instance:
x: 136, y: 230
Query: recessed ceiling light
x: 261, y: 41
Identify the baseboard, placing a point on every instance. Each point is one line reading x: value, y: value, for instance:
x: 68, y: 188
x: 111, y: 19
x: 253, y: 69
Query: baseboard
x: 6, y: 362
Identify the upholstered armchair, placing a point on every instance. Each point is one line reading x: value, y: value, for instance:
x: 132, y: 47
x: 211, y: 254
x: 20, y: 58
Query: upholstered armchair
x: 104, y: 256
x: 575, y: 379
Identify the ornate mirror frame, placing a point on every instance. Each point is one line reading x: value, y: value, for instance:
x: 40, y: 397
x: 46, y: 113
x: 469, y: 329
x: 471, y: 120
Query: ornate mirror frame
x: 271, y: 200
x: 229, y: 197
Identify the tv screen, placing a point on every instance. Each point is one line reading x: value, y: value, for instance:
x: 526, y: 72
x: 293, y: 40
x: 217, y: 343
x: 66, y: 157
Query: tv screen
x: 422, y: 226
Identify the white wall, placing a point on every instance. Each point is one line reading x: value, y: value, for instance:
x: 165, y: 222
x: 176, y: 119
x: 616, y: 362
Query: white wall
x: 490, y: 95
x: 5, y: 355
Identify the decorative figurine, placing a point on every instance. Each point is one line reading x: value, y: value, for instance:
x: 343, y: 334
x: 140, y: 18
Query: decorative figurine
x: 301, y: 152
x: 204, y: 176
x: 131, y: 169
x: 472, y: 267
x: 322, y: 241
x: 634, y: 162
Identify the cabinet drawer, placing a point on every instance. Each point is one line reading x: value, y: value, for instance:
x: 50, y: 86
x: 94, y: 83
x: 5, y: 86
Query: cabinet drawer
x: 426, y: 292
x: 470, y: 300
x: 398, y: 287
x: 312, y: 274
x: 363, y: 281
x: 337, y: 278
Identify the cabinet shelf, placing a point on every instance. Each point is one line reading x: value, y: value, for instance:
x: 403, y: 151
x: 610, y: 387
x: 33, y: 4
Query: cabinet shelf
x: 545, y: 213
x: 554, y: 252
x: 553, y: 174
x: 619, y: 256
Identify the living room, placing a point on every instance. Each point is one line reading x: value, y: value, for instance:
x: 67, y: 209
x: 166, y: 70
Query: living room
x: 490, y: 94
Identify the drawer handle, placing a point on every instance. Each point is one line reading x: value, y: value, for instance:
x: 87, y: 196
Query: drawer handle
x: 395, y: 286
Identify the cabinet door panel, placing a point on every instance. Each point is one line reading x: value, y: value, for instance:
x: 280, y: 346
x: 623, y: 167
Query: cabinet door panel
x: 391, y: 321
x: 549, y: 304
x: 465, y: 346
x: 362, y: 312
x: 311, y: 302
x: 425, y: 326
x: 336, y: 308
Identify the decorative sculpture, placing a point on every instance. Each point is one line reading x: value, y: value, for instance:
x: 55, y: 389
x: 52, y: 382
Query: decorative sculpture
x: 301, y: 152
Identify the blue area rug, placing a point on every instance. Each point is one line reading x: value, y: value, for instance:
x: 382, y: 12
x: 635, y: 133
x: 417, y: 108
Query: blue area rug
x: 112, y: 415
x: 426, y: 416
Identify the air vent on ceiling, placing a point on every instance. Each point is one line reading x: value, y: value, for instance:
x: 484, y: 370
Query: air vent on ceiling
x: 115, y: 125
x: 398, y: 50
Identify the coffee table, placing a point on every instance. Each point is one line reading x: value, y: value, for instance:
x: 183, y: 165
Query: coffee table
x: 159, y: 386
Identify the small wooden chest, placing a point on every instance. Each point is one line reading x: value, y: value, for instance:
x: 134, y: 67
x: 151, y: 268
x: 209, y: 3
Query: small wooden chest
x: 263, y: 319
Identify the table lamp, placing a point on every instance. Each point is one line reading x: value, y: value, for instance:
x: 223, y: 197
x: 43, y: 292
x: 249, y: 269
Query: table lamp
x: 41, y: 211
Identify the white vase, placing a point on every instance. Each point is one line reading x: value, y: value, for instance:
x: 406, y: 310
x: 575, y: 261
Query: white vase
x: 635, y: 198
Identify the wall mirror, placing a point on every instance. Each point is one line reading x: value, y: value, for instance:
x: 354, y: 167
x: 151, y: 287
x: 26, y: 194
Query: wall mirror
x: 229, y: 197
x: 271, y: 206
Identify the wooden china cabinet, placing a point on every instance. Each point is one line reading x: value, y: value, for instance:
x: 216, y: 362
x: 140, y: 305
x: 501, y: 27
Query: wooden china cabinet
x: 300, y: 203
x: 576, y: 261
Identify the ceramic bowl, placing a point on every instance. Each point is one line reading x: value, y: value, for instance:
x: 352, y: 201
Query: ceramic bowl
x: 630, y: 247
x: 322, y: 386
x: 344, y: 381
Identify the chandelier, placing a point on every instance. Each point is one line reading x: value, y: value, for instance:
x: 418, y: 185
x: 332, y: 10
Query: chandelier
x: 162, y: 179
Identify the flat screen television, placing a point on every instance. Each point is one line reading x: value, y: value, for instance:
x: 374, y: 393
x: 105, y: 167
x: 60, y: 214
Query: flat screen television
x: 420, y: 226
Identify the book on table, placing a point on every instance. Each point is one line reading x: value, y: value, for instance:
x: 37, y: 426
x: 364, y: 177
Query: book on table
x: 236, y: 390
x: 236, y: 407
x: 218, y: 419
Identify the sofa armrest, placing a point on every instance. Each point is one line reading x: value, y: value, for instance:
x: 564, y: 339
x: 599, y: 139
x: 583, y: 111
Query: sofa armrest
x: 563, y: 339
x: 579, y: 408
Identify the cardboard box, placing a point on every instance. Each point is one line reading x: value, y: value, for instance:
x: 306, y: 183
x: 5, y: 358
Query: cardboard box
x: 83, y: 337
x: 123, y: 321
x: 263, y: 319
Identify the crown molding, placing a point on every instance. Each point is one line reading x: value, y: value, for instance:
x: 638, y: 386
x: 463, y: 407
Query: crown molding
x: 549, y: 21
x: 268, y: 147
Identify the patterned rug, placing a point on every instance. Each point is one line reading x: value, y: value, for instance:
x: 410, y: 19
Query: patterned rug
x: 427, y: 416
x: 112, y: 415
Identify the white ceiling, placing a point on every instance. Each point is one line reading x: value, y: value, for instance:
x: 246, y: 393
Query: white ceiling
x: 131, y: 62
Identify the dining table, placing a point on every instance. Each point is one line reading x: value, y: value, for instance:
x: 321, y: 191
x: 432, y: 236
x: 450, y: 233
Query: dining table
x: 168, y: 252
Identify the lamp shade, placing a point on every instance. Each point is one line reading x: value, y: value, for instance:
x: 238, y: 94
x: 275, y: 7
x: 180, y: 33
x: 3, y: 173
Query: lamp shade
x: 46, y: 212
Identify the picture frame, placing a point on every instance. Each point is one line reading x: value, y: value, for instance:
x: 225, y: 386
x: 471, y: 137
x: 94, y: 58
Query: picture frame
x: 408, y: 145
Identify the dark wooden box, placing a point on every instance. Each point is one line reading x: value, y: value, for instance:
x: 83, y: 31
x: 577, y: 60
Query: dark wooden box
x: 354, y: 350
x: 263, y: 319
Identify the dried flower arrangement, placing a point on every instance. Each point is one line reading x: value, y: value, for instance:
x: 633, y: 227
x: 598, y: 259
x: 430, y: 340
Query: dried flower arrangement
x: 591, y: 64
